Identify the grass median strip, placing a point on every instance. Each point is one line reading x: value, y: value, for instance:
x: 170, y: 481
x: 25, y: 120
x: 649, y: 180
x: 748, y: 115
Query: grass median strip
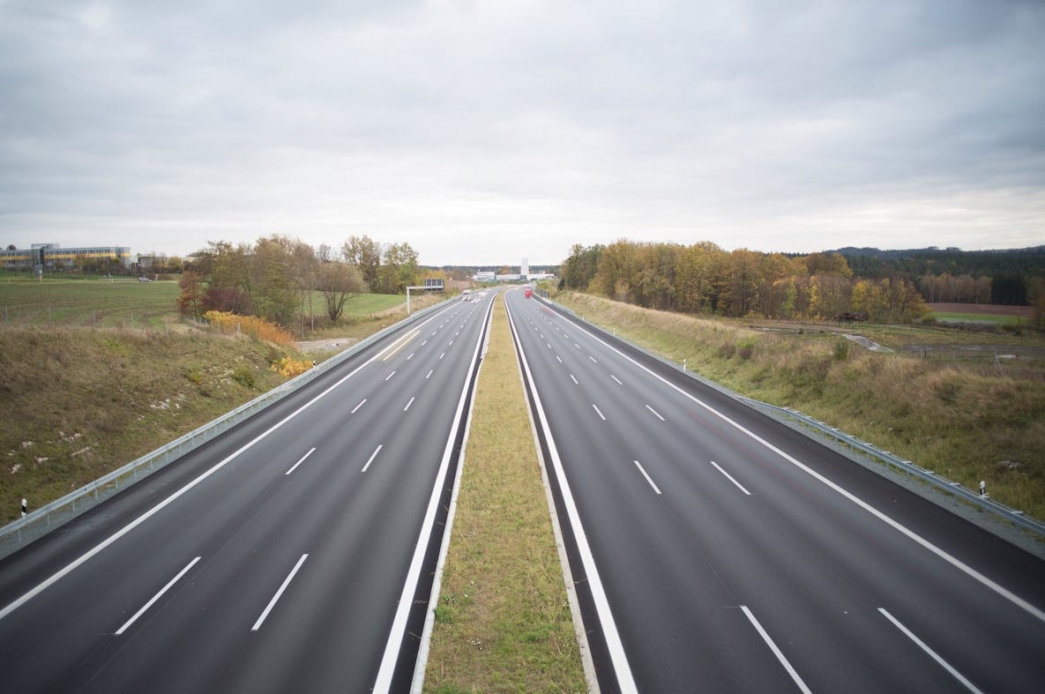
x: 502, y: 623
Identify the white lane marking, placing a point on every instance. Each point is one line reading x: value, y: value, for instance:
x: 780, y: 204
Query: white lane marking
x: 619, y: 383
x: 776, y: 651
x: 549, y: 345
x: 894, y: 524
x: 76, y: 563
x: 146, y: 606
x: 648, y: 478
x: 399, y: 344
x: 593, y: 359
x: 451, y: 343
x: 395, y: 635
x: 424, y: 343
x: 932, y: 654
x: 559, y: 358
x: 429, y: 374
x: 361, y: 403
x: 295, y: 465
x: 389, y: 376
x: 730, y: 478
x: 597, y: 410
x: 618, y: 656
x: 279, y: 593
x: 408, y: 405
x: 655, y: 413
x: 372, y: 456
x: 410, y: 357
x: 442, y: 355
x: 574, y: 380
x: 576, y: 345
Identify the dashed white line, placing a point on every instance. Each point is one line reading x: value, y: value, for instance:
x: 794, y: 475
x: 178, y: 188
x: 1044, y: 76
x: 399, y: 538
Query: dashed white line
x: 932, y: 654
x: 372, y: 456
x: 574, y: 380
x: 619, y: 383
x: 442, y: 355
x: 549, y: 345
x: 279, y: 593
x: 559, y: 358
x: 730, y: 478
x: 389, y: 376
x: 646, y: 475
x: 408, y: 404
x: 776, y: 651
x: 429, y: 374
x: 599, y: 412
x: 295, y: 465
x: 410, y: 357
x: 361, y: 403
x: 592, y: 358
x: 576, y: 345
x: 655, y: 413
x: 146, y: 606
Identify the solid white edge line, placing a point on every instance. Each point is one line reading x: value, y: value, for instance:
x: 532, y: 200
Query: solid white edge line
x: 76, y: 563
x: 279, y: 593
x: 395, y: 635
x: 932, y: 654
x: 356, y: 408
x: 295, y: 465
x: 146, y: 606
x: 372, y: 456
x: 776, y: 651
x: 420, y: 666
x: 730, y: 478
x: 618, y: 657
x: 896, y: 525
x: 655, y: 413
x: 646, y: 475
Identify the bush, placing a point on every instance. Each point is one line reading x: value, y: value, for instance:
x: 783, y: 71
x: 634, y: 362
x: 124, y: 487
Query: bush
x: 289, y: 367
x: 746, y: 348
x: 841, y: 349
x: 245, y: 377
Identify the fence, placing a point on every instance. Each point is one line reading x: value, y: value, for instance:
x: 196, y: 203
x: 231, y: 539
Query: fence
x: 21, y: 532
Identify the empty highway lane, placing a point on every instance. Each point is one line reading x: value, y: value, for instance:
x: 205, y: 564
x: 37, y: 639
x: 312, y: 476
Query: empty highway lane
x: 717, y: 551
x: 286, y: 555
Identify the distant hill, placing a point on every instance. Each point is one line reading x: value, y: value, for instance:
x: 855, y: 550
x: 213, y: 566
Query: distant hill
x: 918, y: 262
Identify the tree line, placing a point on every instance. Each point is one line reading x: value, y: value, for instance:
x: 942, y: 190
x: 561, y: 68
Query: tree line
x: 276, y: 277
x: 705, y: 279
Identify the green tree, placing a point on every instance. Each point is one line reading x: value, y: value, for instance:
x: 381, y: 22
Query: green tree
x: 338, y: 282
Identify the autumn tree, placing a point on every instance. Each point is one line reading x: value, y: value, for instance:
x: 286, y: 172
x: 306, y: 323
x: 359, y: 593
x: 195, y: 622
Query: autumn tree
x: 338, y: 282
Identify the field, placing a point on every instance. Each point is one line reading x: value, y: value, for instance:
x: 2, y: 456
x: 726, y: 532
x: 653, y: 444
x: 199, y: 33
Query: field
x: 982, y: 313
x: 126, y: 303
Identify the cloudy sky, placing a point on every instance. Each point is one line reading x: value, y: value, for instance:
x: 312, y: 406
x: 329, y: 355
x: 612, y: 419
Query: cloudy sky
x: 483, y: 131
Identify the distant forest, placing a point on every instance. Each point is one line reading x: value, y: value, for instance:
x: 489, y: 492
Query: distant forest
x: 847, y: 284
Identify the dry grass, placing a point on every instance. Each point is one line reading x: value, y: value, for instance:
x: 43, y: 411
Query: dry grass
x: 503, y: 623
x: 968, y: 422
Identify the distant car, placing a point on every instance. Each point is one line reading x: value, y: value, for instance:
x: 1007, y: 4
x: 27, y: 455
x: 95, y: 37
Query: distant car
x: 529, y: 292
x: 144, y: 279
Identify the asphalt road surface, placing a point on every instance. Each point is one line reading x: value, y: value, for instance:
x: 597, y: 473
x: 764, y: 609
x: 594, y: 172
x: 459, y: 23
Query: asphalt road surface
x: 715, y: 550
x: 290, y: 554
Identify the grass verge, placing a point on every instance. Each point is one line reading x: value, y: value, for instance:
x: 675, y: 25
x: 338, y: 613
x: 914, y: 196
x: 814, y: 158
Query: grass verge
x: 502, y: 623
x: 968, y: 422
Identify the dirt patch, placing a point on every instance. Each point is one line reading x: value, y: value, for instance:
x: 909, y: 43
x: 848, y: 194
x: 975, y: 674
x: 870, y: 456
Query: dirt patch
x: 332, y: 345
x: 984, y: 310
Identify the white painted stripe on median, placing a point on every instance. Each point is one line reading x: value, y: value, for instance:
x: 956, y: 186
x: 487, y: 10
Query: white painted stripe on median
x: 295, y: 465
x: 776, y: 651
x: 932, y: 654
x: 618, y: 657
x: 730, y: 478
x: 146, y: 606
x: 279, y: 593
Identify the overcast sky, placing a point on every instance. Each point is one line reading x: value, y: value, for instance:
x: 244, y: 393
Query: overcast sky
x: 484, y: 131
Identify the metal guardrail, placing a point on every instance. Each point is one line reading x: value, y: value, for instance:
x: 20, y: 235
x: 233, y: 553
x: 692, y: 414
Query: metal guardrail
x: 984, y: 502
x: 43, y: 520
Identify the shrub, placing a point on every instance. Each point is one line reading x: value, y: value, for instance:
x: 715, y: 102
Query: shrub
x: 253, y: 326
x: 245, y: 377
x: 841, y: 349
x: 289, y: 367
x: 746, y: 348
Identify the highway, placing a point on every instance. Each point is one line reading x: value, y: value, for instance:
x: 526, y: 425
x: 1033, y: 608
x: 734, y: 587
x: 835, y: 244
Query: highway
x: 293, y: 553
x: 716, y: 550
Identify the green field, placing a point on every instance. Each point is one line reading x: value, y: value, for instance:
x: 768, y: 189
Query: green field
x: 127, y: 303
x: 949, y: 317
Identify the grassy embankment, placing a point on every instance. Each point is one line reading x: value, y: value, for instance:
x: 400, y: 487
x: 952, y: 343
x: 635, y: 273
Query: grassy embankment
x: 503, y: 623
x: 967, y: 421
x: 77, y: 401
